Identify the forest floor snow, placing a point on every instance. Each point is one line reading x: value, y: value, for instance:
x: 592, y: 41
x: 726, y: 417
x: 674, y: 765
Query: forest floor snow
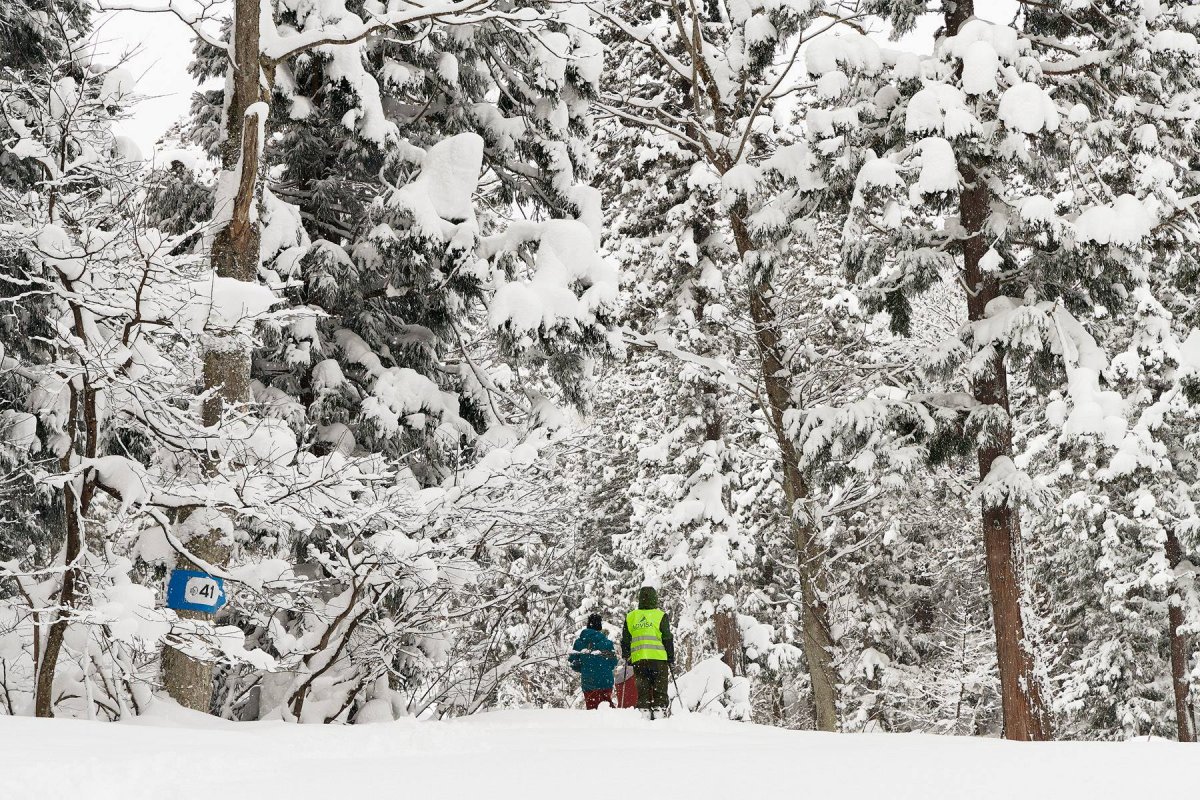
x: 560, y: 754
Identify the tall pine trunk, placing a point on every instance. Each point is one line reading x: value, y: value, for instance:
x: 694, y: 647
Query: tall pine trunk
x: 235, y: 254
x: 1184, y: 723
x: 1025, y: 716
x: 818, y: 642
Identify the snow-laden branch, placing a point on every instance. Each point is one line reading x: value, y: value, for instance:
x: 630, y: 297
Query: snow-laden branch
x: 192, y: 20
x: 640, y: 36
x: 284, y: 47
x: 663, y: 344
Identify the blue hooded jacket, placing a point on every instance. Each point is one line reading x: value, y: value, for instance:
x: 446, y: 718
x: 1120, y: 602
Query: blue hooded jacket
x: 594, y: 659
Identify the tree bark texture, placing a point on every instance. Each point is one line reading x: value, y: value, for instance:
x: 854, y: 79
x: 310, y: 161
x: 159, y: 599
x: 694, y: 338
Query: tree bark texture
x: 187, y: 680
x: 235, y: 254
x: 1184, y: 723
x: 235, y: 248
x: 68, y: 596
x: 818, y: 642
x: 77, y: 497
x: 729, y: 639
x: 1025, y: 715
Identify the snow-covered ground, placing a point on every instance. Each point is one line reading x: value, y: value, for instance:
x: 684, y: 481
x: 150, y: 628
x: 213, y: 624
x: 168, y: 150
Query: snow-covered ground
x: 559, y: 754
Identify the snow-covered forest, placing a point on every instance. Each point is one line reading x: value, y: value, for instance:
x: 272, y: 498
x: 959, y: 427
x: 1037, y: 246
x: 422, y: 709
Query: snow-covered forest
x: 867, y: 331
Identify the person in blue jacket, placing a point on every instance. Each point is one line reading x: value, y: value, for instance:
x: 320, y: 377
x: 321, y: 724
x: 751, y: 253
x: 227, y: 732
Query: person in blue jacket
x: 593, y: 658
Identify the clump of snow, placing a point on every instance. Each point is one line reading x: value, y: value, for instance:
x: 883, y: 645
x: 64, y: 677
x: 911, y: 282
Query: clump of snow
x: 61, y: 252
x: 203, y: 521
x: 449, y: 174
x: 848, y: 49
x: 283, y: 237
x: 1093, y: 410
x: 591, y: 212
x: 19, y: 430
x: 940, y: 108
x: 339, y: 436
x: 1005, y: 485
x: 222, y: 305
x: 939, y: 168
x: 375, y: 711
x: 117, y: 86
x: 260, y: 442
x: 1037, y: 208
x: 1125, y: 221
x: 126, y: 149
x: 1181, y: 41
x: 651, y: 578
x: 400, y: 394
x: 1002, y: 40
x: 566, y: 262
x: 980, y: 65
x: 440, y: 197
x: 878, y: 172
x: 327, y: 374
x: 711, y: 688
x: 1189, y: 352
x: 832, y: 84
x: 126, y: 478
x: 991, y: 261
x: 1025, y: 107
x: 64, y: 97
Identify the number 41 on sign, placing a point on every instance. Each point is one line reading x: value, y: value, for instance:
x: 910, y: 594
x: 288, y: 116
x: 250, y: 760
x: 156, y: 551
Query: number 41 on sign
x: 189, y: 590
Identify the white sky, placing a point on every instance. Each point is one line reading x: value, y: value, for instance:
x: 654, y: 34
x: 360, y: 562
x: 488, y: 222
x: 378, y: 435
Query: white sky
x: 163, y: 48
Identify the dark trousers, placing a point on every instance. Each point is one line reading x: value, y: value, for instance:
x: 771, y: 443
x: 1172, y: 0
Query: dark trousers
x: 593, y: 699
x: 651, y: 678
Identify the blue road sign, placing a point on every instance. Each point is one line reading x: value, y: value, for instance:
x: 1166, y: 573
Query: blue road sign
x: 189, y: 590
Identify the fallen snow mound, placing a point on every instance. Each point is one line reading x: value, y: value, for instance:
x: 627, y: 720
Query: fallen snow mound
x: 557, y: 754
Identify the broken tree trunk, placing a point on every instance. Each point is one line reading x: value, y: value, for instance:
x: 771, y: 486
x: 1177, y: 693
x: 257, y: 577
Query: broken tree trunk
x: 235, y: 254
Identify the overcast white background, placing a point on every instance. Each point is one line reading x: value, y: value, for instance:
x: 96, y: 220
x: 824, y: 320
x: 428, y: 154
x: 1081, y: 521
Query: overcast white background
x: 162, y: 47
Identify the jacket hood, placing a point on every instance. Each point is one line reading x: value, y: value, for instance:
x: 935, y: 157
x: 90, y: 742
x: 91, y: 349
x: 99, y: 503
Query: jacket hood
x: 647, y: 598
x: 592, y: 639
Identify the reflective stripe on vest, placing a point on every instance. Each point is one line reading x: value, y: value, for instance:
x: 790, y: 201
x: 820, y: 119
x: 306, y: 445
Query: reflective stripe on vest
x: 645, y: 631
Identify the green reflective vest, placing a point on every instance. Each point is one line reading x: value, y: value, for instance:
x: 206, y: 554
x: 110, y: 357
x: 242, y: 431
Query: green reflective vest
x: 645, y: 633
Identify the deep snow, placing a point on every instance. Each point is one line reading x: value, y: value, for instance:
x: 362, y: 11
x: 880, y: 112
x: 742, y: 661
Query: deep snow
x: 558, y: 754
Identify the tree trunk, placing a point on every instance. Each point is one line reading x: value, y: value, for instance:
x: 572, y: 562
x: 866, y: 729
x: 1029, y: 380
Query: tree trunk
x: 1025, y: 716
x: 818, y: 643
x: 729, y: 639
x: 1185, y: 725
x: 235, y: 254
x: 235, y: 248
x: 77, y: 497
x: 67, y: 597
x: 188, y: 680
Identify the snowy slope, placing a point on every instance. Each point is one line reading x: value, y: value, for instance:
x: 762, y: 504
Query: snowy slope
x: 559, y: 754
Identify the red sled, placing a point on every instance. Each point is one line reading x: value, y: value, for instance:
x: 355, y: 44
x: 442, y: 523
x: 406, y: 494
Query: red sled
x: 626, y: 688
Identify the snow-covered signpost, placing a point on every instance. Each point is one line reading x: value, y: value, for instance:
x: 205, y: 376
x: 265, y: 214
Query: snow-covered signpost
x: 253, y: 57
x: 559, y: 316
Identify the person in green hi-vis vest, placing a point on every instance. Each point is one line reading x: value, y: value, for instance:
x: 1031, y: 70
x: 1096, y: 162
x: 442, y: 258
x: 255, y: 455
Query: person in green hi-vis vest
x: 647, y: 643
